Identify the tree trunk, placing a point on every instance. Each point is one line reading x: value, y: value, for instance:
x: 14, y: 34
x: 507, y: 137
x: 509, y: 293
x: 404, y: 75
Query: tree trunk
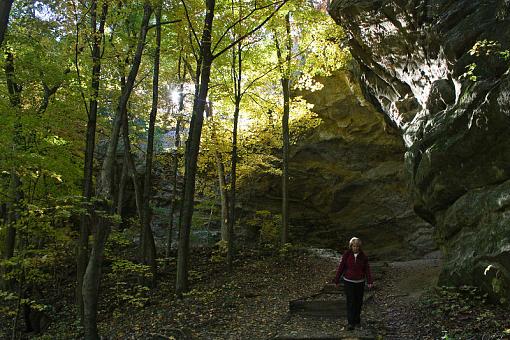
x: 130, y: 161
x: 192, y: 148
x: 173, y: 201
x: 92, y: 275
x: 131, y: 166
x: 12, y: 216
x: 285, y: 81
x: 148, y: 246
x: 5, y: 10
x: 122, y: 186
x: 14, y: 91
x: 238, y: 95
x: 176, y: 157
x: 220, y: 167
x: 82, y: 246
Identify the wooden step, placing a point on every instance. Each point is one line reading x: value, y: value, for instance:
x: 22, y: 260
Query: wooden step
x: 327, y: 337
x: 331, y: 288
x: 331, y: 308
x: 343, y: 335
x: 323, y: 305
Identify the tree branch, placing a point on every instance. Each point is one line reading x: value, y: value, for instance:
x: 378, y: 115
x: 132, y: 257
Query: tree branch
x: 189, y: 22
x: 258, y: 78
x: 250, y: 32
x: 164, y: 23
x: 239, y: 21
x: 76, y: 53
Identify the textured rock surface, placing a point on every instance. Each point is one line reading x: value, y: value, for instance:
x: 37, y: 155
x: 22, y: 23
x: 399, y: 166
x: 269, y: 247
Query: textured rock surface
x: 412, y: 55
x: 347, y: 179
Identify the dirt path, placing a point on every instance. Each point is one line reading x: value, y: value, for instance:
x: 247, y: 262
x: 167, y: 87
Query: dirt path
x: 407, y: 304
x: 386, y: 312
x: 393, y: 312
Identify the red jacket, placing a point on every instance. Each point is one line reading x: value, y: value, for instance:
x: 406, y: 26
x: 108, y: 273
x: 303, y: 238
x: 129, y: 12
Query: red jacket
x: 353, y: 268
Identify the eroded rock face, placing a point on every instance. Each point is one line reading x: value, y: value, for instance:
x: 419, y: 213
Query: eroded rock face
x: 348, y: 179
x: 413, y: 55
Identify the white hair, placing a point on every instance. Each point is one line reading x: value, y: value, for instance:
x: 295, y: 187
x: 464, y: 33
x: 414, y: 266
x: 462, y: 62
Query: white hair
x: 354, y: 239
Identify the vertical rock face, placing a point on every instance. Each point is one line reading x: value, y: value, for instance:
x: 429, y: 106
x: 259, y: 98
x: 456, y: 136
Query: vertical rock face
x: 347, y: 179
x: 413, y: 55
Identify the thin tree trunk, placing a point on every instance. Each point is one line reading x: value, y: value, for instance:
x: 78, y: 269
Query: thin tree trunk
x: 13, y: 207
x: 285, y: 81
x: 220, y: 168
x: 237, y: 76
x: 285, y: 163
x: 173, y: 200
x: 92, y: 275
x: 176, y: 157
x: 122, y: 186
x: 20, y: 296
x: 82, y: 246
x: 192, y: 148
x: 149, y: 246
x: 5, y: 10
x: 130, y: 161
x: 12, y: 216
x: 132, y: 167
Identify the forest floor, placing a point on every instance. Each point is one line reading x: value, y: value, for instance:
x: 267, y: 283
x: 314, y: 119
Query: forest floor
x: 252, y: 303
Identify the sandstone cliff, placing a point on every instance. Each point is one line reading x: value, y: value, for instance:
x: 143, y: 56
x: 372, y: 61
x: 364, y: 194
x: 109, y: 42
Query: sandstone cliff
x: 347, y: 179
x: 413, y: 55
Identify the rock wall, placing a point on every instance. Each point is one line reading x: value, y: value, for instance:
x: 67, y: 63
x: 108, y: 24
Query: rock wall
x: 414, y: 55
x: 347, y: 179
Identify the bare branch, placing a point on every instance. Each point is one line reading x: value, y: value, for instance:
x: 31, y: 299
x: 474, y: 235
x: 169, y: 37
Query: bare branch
x: 189, y: 22
x: 239, y: 21
x: 164, y: 23
x: 257, y: 79
x: 76, y: 53
x: 252, y: 31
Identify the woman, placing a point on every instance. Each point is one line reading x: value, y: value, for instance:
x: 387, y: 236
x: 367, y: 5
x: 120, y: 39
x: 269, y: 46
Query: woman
x: 355, y: 270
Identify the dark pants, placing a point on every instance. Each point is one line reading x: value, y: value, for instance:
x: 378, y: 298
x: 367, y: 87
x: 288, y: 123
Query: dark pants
x: 354, y: 297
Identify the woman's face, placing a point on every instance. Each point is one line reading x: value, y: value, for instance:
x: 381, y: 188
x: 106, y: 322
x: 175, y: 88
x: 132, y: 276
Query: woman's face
x: 355, y: 247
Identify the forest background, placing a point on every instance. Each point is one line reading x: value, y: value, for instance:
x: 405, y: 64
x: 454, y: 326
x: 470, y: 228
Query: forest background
x: 123, y: 118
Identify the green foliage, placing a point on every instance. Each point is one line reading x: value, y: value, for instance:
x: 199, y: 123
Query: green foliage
x: 126, y: 289
x: 470, y: 72
x: 285, y: 250
x: 219, y: 252
x: 202, y: 296
x: 125, y: 278
x: 267, y: 225
x: 8, y: 301
x: 484, y: 48
x: 42, y: 137
x: 121, y: 243
x: 44, y: 247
